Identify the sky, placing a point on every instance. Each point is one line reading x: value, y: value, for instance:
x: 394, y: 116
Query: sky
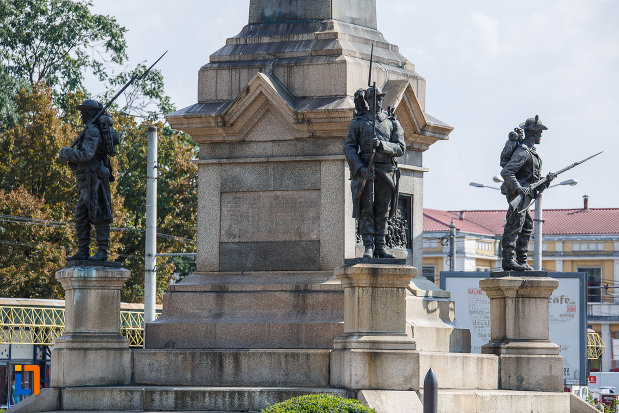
x: 489, y: 65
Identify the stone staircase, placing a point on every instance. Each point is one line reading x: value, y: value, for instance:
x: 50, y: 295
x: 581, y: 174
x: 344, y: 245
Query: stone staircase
x: 241, y: 380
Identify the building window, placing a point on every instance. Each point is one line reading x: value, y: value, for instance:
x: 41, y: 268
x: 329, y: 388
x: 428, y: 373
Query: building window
x: 484, y: 245
x: 430, y: 243
x: 429, y: 272
x: 594, y: 283
x: 588, y: 246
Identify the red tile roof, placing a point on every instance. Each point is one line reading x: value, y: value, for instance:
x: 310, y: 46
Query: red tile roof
x: 556, y: 221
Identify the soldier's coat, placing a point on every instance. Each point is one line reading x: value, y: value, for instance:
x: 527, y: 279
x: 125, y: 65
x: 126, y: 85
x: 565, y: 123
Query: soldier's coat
x: 91, y: 174
x: 358, y: 150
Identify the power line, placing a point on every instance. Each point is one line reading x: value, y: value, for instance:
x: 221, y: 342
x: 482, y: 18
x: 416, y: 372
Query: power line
x: 26, y: 220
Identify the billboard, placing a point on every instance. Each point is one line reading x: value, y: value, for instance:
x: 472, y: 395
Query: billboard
x: 567, y: 312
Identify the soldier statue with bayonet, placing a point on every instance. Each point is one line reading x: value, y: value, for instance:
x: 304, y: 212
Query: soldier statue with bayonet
x: 523, y: 182
x: 88, y: 156
x: 375, y: 138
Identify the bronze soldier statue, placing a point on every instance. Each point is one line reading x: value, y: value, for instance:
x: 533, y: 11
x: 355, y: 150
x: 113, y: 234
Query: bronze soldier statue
x: 374, y: 191
x: 521, y: 170
x: 88, y: 157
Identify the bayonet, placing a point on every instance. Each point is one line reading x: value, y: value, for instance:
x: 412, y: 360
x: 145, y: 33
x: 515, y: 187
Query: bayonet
x: 107, y: 105
x: 371, y: 163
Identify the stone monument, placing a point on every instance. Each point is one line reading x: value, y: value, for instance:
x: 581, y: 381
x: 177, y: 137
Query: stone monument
x: 275, y: 205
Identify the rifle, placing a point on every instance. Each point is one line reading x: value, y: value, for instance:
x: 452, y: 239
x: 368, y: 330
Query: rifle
x: 107, y: 105
x: 371, y: 163
x: 522, y: 200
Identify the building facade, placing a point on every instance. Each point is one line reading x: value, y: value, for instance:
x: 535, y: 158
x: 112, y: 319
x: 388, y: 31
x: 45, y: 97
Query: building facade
x: 574, y: 240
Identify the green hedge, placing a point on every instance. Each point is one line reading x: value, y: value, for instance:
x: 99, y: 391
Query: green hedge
x: 319, y: 403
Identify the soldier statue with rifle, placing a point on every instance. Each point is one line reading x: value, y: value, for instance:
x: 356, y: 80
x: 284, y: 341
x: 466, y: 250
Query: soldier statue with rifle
x: 523, y: 182
x: 89, y: 156
x: 375, y: 138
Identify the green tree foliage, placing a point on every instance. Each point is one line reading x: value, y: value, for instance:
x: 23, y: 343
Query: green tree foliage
x: 56, y: 41
x: 319, y: 403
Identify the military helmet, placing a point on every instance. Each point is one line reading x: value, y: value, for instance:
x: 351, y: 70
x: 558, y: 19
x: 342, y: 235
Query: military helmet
x: 369, y: 93
x: 533, y: 124
x: 90, y: 104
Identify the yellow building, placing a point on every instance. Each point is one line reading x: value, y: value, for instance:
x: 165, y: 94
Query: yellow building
x: 574, y: 240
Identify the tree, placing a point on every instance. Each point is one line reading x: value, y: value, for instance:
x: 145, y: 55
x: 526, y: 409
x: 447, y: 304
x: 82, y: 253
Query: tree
x: 57, y: 41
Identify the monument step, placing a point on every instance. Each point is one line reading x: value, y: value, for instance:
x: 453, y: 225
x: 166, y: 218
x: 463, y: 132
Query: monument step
x: 253, y: 367
x: 431, y: 322
x: 204, y: 303
x: 501, y: 401
x: 461, y: 370
x: 257, y: 331
x: 162, y: 398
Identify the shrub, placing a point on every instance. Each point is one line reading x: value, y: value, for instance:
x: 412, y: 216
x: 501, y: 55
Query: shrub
x: 319, y: 403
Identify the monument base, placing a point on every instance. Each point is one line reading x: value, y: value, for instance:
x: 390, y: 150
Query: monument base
x: 528, y: 360
x: 375, y: 352
x: 375, y: 362
x: 92, y: 351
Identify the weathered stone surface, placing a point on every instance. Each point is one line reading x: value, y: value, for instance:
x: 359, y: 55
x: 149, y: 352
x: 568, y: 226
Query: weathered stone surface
x: 274, y: 256
x: 519, y: 312
x: 519, y: 331
x: 158, y: 398
x: 91, y: 351
x: 374, y: 352
x: 361, y: 12
x: 386, y: 401
x: 430, y: 321
x: 531, y: 372
x: 306, y: 368
x: 250, y: 310
x: 486, y: 401
x: 47, y: 400
x: 271, y: 176
x: 460, y: 370
x: 269, y: 216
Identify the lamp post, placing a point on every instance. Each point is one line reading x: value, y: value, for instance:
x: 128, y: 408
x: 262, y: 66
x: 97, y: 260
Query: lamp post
x: 537, y: 241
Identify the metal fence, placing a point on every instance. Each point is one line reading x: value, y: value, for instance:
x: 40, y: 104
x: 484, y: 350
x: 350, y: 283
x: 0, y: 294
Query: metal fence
x: 42, y: 325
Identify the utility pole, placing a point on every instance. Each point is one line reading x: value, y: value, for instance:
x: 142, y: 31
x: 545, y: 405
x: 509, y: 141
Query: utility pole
x: 452, y: 246
x: 537, y: 241
x: 150, y: 250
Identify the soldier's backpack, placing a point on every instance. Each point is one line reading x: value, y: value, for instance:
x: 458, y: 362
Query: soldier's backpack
x: 514, y: 140
x: 109, y: 137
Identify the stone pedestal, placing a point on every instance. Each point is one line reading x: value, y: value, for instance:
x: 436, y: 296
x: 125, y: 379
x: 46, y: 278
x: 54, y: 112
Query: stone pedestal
x: 91, y: 351
x: 375, y: 352
x: 528, y: 360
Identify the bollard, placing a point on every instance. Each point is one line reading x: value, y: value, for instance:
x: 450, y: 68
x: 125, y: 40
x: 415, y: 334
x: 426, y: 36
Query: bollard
x: 430, y: 393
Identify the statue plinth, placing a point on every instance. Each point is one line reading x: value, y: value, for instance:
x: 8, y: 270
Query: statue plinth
x: 91, y: 351
x: 520, y: 332
x: 374, y: 352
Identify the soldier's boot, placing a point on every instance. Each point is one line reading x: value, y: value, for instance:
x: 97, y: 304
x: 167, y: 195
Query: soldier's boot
x: 522, y: 248
x: 379, y: 248
x: 83, y: 243
x: 103, y: 241
x: 509, y: 262
x: 521, y: 259
x: 368, y: 244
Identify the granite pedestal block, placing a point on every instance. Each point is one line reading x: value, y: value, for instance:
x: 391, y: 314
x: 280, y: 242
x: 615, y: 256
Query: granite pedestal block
x: 520, y: 333
x: 91, y: 351
x: 375, y: 352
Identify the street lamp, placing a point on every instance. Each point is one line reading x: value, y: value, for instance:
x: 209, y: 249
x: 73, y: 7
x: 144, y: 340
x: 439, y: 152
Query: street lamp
x: 537, y: 241
x: 478, y: 185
